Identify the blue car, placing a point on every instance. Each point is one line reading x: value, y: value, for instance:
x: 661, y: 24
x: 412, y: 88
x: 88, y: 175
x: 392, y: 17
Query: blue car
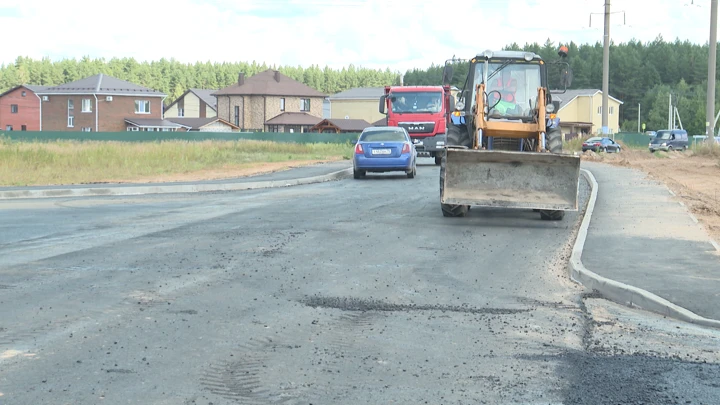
x: 384, y: 149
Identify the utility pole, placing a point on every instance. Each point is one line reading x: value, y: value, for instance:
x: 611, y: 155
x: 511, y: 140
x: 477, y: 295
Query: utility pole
x: 670, y: 118
x: 638, y: 117
x: 710, y: 105
x: 606, y: 69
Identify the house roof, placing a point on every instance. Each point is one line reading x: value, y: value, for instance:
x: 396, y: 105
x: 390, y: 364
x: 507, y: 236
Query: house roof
x: 206, y: 96
x: 293, y: 118
x: 101, y: 84
x: 268, y: 83
x: 203, y: 94
x: 197, y: 123
x: 360, y: 93
x: 32, y: 87
x: 569, y: 95
x: 345, y: 124
x: 380, y: 123
x: 153, y: 122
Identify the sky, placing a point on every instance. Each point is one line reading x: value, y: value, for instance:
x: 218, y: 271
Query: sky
x: 395, y: 34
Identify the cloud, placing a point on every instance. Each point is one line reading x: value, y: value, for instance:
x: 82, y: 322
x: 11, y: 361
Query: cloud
x: 399, y: 34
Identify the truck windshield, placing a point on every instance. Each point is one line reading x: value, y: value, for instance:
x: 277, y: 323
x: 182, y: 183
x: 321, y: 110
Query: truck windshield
x: 663, y: 135
x: 512, y: 89
x: 416, y: 102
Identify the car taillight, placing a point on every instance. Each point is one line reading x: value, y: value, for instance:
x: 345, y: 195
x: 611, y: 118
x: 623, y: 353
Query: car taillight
x: 358, y: 149
x: 597, y: 143
x: 406, y: 148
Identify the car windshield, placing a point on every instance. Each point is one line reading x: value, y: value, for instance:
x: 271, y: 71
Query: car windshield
x: 511, y: 88
x: 663, y: 135
x: 416, y: 102
x: 383, y: 136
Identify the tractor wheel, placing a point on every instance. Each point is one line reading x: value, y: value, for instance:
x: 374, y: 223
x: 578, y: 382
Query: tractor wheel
x: 553, y: 145
x: 554, y: 141
x: 449, y: 210
x: 458, y: 136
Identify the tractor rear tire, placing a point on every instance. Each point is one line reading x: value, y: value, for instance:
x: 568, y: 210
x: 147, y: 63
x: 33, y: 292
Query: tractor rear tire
x: 449, y: 210
x: 554, y: 145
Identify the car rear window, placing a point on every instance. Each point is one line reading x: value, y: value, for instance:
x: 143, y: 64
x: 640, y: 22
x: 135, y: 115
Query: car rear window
x: 383, y: 136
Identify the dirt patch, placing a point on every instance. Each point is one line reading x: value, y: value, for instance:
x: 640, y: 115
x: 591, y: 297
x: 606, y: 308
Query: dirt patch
x: 693, y: 178
x: 232, y: 172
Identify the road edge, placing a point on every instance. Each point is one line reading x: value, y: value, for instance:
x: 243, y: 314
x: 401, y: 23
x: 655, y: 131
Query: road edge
x: 621, y: 293
x: 170, y: 188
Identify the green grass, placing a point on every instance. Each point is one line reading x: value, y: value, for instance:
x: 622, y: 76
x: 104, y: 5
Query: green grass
x: 72, y: 162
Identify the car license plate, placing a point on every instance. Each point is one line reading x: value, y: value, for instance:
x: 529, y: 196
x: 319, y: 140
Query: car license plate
x: 381, y: 151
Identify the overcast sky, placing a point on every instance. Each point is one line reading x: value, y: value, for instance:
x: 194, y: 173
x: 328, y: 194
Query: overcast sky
x: 398, y: 34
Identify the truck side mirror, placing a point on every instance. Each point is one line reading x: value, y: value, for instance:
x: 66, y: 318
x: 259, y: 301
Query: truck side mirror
x: 381, y: 106
x: 451, y: 104
x: 447, y: 74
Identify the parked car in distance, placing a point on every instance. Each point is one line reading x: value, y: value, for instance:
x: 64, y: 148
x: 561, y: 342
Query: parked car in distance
x: 598, y: 144
x: 384, y: 149
x: 669, y: 140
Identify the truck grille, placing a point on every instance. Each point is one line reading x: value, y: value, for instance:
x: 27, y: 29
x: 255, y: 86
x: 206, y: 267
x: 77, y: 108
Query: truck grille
x: 418, y: 127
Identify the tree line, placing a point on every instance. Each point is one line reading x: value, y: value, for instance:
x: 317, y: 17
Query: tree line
x: 640, y: 73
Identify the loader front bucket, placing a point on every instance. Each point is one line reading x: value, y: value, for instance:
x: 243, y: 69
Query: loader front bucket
x: 530, y: 180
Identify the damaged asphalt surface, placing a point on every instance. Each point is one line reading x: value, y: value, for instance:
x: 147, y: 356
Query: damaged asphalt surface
x: 353, y: 292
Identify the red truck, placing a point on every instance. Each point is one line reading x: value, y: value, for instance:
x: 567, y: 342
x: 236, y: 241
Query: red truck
x: 423, y: 111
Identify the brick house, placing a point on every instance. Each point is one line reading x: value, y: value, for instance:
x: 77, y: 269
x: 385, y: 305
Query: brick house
x: 270, y: 101
x: 194, y: 103
x: 102, y: 103
x: 20, y: 108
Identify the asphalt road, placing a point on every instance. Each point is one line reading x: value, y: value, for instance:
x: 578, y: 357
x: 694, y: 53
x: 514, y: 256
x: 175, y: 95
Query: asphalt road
x: 353, y: 292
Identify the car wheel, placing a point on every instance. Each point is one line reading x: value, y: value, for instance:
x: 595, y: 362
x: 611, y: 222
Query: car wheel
x: 604, y: 150
x: 438, y: 159
x: 412, y: 173
x: 358, y: 174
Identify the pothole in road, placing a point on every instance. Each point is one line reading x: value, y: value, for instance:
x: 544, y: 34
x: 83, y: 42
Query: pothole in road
x: 366, y: 305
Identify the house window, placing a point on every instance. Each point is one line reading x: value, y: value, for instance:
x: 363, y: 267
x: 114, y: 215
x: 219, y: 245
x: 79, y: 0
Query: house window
x: 14, y: 108
x: 86, y: 105
x: 237, y: 115
x: 24, y: 93
x: 292, y: 128
x: 23, y: 127
x: 273, y: 128
x: 611, y: 110
x: 71, y: 104
x: 304, y: 104
x: 142, y: 107
x: 8, y: 128
x: 132, y: 129
x: 282, y: 104
x: 71, y: 121
x: 87, y: 129
x: 181, y: 112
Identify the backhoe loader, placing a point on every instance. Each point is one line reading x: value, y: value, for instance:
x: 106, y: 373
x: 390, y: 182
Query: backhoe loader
x: 504, y: 145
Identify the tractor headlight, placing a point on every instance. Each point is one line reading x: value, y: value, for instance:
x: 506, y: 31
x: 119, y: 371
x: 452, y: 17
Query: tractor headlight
x: 459, y: 105
x: 550, y: 108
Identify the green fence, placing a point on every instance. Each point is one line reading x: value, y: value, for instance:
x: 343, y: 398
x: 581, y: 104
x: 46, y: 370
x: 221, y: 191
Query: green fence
x: 140, y: 136
x: 633, y: 139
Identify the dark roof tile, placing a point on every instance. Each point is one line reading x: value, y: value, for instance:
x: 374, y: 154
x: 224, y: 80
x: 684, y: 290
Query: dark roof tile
x: 269, y: 83
x: 101, y: 84
x: 293, y: 118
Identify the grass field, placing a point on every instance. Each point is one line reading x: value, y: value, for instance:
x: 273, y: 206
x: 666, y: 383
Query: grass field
x: 71, y: 162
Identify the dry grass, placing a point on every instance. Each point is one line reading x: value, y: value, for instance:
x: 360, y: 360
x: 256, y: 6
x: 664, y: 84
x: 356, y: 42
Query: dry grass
x: 72, y: 162
x: 708, y: 149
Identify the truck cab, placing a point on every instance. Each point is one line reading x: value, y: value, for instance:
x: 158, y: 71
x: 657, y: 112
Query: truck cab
x: 423, y: 111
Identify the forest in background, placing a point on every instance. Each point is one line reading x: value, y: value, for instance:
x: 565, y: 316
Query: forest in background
x: 640, y: 73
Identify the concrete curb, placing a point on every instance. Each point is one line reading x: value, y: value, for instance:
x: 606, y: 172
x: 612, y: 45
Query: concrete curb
x: 170, y: 188
x: 619, y: 292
